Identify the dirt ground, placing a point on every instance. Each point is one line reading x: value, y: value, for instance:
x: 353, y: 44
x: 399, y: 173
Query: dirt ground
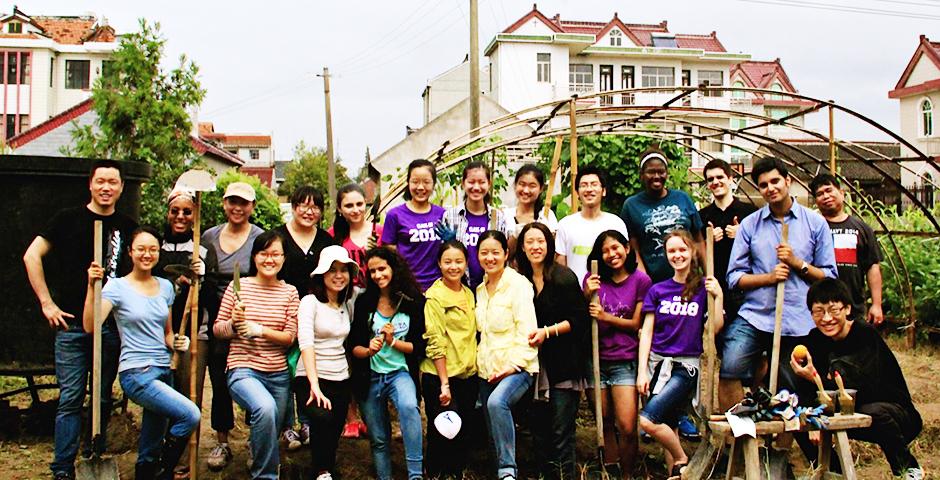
x: 27, y: 457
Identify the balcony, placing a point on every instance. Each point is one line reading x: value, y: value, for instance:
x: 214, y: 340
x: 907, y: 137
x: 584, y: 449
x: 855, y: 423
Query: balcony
x: 928, y: 145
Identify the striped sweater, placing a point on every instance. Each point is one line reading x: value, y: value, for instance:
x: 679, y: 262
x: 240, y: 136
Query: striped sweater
x: 274, y: 307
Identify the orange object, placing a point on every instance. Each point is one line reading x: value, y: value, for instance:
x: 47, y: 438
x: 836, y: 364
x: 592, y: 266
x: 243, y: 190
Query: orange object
x: 800, y: 352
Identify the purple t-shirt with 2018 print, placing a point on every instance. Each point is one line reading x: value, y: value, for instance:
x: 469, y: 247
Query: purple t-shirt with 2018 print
x: 620, y: 300
x: 476, y: 225
x: 413, y: 235
x: 679, y: 325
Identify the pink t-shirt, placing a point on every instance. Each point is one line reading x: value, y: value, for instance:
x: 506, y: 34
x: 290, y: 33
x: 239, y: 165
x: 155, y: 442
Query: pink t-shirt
x: 358, y: 254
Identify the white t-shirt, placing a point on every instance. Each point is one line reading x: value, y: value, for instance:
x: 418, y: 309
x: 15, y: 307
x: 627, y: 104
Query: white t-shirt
x: 323, y: 328
x: 576, y: 235
x: 515, y: 228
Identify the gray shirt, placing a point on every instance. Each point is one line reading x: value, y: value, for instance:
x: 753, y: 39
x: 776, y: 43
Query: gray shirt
x: 227, y: 261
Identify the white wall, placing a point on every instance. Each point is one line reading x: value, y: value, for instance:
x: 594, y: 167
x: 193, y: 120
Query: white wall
x: 516, y: 78
x: 450, y: 88
x: 924, y: 70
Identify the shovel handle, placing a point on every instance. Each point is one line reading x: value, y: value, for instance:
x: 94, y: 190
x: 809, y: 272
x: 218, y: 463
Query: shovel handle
x: 96, y: 337
x: 596, y: 361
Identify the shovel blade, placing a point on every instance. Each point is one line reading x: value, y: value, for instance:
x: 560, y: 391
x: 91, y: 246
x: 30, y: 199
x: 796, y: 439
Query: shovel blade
x: 97, y: 468
x: 196, y: 180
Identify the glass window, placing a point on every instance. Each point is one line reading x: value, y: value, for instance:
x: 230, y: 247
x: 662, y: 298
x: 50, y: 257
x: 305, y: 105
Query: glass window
x: 777, y: 88
x: 543, y: 67
x: 926, y: 118
x: 778, y: 113
x: 14, y: 27
x: 254, y: 154
x: 107, y: 68
x: 581, y: 77
x: 737, y: 93
x: 664, y: 41
x: 616, y: 38
x: 51, y: 71
x: 738, y: 123
x: 711, y: 78
x: 77, y: 74
x: 12, y: 63
x: 658, y: 76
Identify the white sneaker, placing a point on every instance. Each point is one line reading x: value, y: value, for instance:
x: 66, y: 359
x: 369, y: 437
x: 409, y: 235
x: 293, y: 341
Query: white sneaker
x: 325, y: 476
x: 913, y: 474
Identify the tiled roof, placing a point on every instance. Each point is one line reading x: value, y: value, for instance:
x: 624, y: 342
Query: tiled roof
x: 67, y: 30
x: 925, y: 48
x: 207, y: 131
x: 709, y: 43
x: 265, y: 174
x: 207, y: 148
x: 50, y: 124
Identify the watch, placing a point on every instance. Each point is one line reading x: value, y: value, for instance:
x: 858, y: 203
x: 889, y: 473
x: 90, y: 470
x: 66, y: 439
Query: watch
x: 804, y: 269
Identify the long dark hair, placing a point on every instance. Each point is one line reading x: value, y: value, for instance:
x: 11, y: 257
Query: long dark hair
x: 402, y: 284
x: 597, y: 253
x: 340, y: 225
x: 695, y: 280
x: 318, y: 286
x: 530, y: 169
x: 523, y: 265
x: 262, y: 242
x: 419, y: 163
x: 473, y: 165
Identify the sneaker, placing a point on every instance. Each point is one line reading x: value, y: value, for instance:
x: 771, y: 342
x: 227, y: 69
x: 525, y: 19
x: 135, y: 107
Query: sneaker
x: 63, y: 476
x: 305, y: 434
x: 219, y: 457
x: 688, y: 430
x: 913, y: 474
x: 351, y: 430
x: 325, y: 476
x: 293, y: 439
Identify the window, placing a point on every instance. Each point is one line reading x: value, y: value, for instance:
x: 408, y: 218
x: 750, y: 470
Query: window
x: 51, y: 71
x: 713, y: 144
x: 686, y: 82
x: 777, y: 113
x: 17, y: 67
x: 76, y: 74
x: 12, y: 63
x: 926, y: 118
x: 607, y: 83
x: 12, y: 128
x: 581, y: 77
x: 14, y: 27
x: 664, y: 41
x: 543, y: 67
x: 738, y: 94
x: 658, y: 77
x: 777, y: 88
x: 616, y: 38
x: 254, y: 154
x: 626, y: 81
x: 711, y: 78
x: 738, y: 123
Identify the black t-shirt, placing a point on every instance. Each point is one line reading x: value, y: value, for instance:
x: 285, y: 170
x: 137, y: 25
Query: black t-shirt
x: 297, y: 263
x: 561, y: 299
x: 865, y: 363
x: 720, y: 219
x: 71, y: 232
x: 857, y: 250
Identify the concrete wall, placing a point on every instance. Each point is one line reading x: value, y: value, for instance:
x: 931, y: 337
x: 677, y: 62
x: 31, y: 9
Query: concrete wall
x: 450, y: 88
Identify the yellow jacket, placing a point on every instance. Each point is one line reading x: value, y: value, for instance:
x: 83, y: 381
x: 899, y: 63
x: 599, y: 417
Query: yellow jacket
x: 504, y: 322
x: 451, y: 330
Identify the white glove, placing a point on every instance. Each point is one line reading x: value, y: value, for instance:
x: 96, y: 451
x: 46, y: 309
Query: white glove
x: 180, y: 343
x: 253, y: 329
x: 199, y: 267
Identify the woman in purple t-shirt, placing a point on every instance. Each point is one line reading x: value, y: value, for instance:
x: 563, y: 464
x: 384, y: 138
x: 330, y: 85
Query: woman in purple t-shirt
x: 620, y: 288
x: 671, y: 343
x: 409, y: 228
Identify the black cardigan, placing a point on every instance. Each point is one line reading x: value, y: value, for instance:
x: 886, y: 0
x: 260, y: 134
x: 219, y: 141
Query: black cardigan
x: 361, y: 334
x: 561, y: 299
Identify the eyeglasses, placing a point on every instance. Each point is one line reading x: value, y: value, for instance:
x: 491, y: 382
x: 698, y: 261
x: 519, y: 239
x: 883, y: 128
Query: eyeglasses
x: 832, y: 311
x: 185, y: 211
x: 270, y: 255
x: 143, y: 250
x: 308, y: 209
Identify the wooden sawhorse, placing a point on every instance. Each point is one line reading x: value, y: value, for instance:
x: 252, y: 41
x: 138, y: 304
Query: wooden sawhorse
x: 834, y: 434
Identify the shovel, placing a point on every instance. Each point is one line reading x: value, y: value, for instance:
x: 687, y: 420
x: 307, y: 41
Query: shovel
x: 197, y: 181
x: 595, y: 356
x: 846, y: 401
x: 96, y: 467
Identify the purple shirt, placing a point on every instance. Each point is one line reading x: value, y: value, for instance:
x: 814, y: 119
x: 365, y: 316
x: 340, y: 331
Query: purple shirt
x: 476, y: 225
x: 679, y: 325
x: 620, y: 300
x: 413, y: 235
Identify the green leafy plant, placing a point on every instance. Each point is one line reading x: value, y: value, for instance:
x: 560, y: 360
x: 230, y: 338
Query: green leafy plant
x: 267, y: 214
x: 309, y: 166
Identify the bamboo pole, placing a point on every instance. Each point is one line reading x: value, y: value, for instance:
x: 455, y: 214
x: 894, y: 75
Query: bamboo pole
x: 711, y: 357
x: 556, y: 155
x: 572, y: 114
x: 832, y: 140
x: 194, y: 321
x: 778, y: 320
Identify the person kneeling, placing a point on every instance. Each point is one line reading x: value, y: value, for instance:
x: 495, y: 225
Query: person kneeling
x: 858, y: 353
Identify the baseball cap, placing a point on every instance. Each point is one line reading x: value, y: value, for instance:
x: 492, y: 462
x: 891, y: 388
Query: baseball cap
x: 240, y: 190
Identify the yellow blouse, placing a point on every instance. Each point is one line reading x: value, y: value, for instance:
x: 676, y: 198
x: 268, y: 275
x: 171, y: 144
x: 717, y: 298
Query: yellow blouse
x: 451, y: 330
x: 505, y: 322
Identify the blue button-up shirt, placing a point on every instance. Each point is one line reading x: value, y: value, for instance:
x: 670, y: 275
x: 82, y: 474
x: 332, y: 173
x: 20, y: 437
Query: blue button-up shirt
x: 755, y: 252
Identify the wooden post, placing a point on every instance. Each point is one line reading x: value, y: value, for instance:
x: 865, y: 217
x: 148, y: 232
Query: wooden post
x: 474, y: 68
x: 778, y: 320
x: 331, y: 165
x: 194, y: 321
x: 832, y: 140
x: 573, y: 142
x: 596, y: 364
x: 96, y: 342
x: 551, y: 181
x: 708, y: 380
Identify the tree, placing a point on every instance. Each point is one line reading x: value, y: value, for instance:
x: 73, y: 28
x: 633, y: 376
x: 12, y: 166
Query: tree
x: 143, y: 116
x: 309, y: 167
x: 267, y: 214
x: 617, y: 156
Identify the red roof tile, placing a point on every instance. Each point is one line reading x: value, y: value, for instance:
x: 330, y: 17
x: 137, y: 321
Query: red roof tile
x: 67, y: 30
x: 709, y: 43
x: 761, y: 74
x: 49, y: 125
x: 265, y: 174
x: 924, y: 48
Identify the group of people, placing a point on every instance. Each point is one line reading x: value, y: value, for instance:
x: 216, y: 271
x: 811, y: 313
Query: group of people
x: 476, y: 312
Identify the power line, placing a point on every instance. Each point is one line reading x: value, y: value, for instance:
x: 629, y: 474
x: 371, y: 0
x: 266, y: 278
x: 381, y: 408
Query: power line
x: 279, y: 91
x: 843, y: 8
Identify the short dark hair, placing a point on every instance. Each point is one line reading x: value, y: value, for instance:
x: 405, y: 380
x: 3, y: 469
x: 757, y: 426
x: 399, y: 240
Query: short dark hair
x: 718, y: 163
x: 262, y: 242
x: 589, y: 170
x: 495, y: 235
x: 828, y: 290
x: 144, y: 229
x: 305, y: 193
x: 531, y: 169
x: 456, y: 245
x: 822, y: 180
x: 105, y: 163
x: 418, y: 163
x: 768, y: 164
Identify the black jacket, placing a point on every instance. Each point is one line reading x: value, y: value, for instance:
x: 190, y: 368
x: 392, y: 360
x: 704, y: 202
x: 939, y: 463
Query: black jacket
x: 178, y: 249
x: 360, y: 334
x: 561, y: 299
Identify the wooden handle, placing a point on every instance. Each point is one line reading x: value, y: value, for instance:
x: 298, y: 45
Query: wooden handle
x: 556, y: 156
x: 573, y: 143
x: 194, y: 340
x: 819, y: 385
x: 596, y: 357
x: 778, y: 320
x: 96, y: 336
x: 709, y: 392
x: 184, y: 323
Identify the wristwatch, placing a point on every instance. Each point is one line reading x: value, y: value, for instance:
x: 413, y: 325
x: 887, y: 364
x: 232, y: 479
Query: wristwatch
x: 804, y: 269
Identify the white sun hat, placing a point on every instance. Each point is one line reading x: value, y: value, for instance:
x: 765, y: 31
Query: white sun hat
x: 334, y: 253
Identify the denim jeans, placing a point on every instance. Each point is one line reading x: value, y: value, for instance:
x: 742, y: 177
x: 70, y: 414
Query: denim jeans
x: 151, y: 388
x: 265, y: 396
x: 497, y: 400
x: 400, y: 388
x: 672, y: 402
x: 553, y: 430
x: 73, y: 351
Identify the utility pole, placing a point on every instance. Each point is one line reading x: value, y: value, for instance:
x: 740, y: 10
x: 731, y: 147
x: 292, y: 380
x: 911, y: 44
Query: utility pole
x: 474, y: 68
x: 331, y: 173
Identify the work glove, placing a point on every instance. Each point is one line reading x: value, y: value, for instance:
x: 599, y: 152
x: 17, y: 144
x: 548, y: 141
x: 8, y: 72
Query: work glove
x: 181, y: 343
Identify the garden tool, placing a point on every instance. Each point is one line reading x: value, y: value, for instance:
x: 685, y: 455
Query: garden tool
x: 596, y: 363
x: 778, y: 320
x: 846, y: 401
x: 821, y: 395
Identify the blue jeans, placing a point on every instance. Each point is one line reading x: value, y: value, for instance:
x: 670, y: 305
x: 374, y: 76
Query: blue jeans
x: 265, y: 396
x: 400, y: 388
x: 73, y: 350
x: 151, y: 388
x: 553, y: 431
x: 743, y: 348
x: 670, y: 403
x: 497, y: 400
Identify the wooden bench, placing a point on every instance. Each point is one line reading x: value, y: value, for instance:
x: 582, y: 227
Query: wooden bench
x: 835, y: 433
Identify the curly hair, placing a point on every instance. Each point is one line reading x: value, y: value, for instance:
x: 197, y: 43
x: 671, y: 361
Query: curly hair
x: 403, y: 281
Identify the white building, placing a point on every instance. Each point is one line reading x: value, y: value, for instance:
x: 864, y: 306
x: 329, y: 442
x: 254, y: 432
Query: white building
x: 918, y: 93
x: 255, y: 148
x: 48, y: 64
x: 448, y: 89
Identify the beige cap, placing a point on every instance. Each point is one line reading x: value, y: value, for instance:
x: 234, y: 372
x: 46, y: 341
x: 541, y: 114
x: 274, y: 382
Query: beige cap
x: 240, y: 190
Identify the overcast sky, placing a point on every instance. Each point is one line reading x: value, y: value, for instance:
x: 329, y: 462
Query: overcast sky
x: 259, y: 60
